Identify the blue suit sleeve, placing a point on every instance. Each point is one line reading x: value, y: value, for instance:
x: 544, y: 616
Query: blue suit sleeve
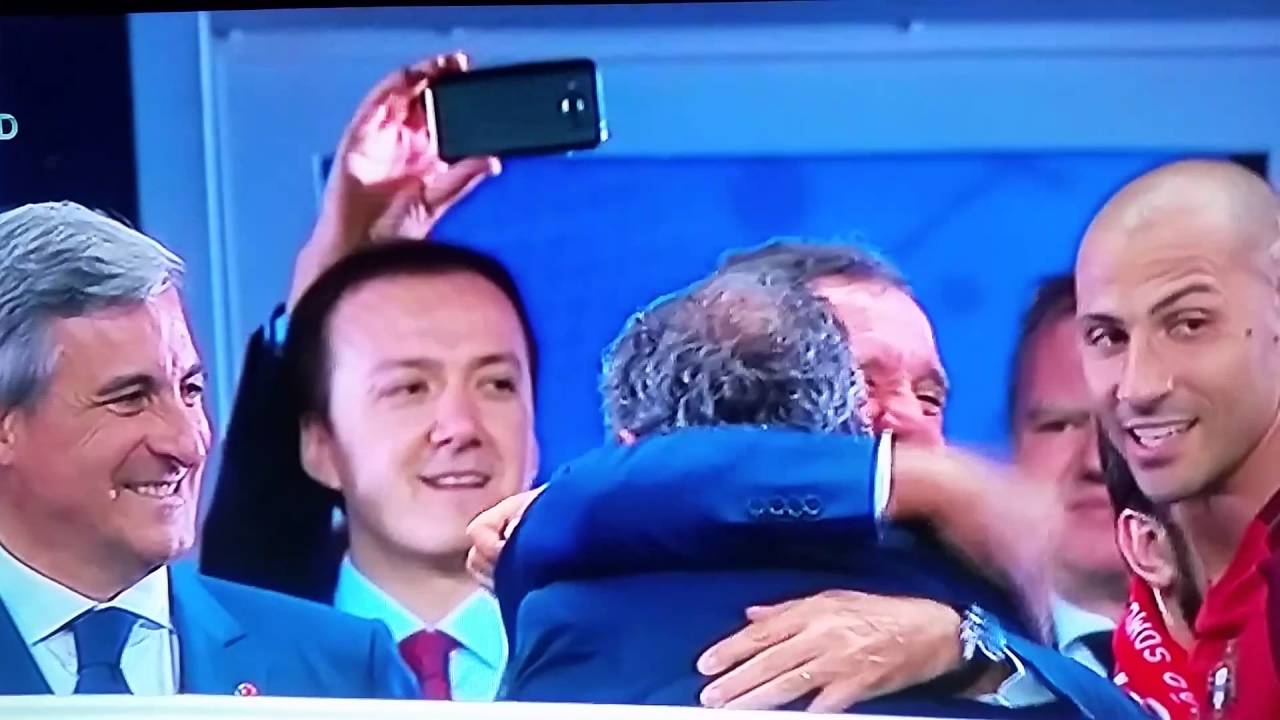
x: 389, y: 676
x: 698, y: 498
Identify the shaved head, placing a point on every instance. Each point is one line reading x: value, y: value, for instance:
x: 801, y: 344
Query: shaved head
x: 1179, y: 320
x: 1206, y: 191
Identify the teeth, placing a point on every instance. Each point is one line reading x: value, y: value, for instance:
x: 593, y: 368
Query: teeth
x: 458, y: 480
x: 1154, y: 436
x: 155, y: 490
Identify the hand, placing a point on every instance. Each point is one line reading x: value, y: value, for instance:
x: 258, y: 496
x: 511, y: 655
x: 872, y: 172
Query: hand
x: 1005, y: 526
x: 387, y: 179
x: 489, y: 533
x: 849, y: 646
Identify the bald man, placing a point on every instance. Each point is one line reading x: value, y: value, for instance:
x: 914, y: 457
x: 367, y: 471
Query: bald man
x: 1178, y: 285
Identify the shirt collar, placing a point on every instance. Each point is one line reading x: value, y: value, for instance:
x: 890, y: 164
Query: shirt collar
x: 475, y: 623
x: 40, y: 606
x: 1072, y: 622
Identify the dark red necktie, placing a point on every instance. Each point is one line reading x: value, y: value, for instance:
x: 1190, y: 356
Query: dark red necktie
x: 427, y: 654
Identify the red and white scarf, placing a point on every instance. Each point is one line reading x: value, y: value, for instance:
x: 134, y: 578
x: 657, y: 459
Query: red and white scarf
x: 1150, y: 665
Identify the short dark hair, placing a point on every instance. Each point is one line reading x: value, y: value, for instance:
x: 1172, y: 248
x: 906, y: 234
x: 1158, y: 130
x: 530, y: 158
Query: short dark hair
x: 808, y: 260
x: 306, y: 356
x: 1055, y: 297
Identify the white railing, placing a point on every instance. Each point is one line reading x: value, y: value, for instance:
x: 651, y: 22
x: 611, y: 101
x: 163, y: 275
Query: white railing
x: 193, y: 707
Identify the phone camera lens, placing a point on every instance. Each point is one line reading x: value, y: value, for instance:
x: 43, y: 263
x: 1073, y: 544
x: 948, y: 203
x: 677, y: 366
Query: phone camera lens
x: 574, y: 106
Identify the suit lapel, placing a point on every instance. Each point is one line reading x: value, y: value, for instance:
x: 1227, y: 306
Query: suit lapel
x: 216, y: 656
x: 21, y: 675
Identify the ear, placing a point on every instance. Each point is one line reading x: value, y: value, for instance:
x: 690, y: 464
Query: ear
x: 318, y: 452
x: 10, y: 429
x: 1144, y: 544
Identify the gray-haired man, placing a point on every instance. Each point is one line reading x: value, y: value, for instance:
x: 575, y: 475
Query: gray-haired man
x: 103, y: 441
x: 744, y: 363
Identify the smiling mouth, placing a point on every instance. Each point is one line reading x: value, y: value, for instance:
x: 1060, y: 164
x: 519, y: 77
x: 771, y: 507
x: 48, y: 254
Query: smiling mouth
x: 456, y: 480
x: 155, y: 490
x: 1152, y: 436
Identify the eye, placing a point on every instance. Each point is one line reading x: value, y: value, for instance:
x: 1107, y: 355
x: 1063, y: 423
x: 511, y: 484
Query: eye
x: 933, y: 402
x: 1052, y: 426
x: 500, y: 385
x: 1188, y: 326
x: 407, y: 389
x: 1104, y: 338
x: 129, y: 403
x: 192, y: 391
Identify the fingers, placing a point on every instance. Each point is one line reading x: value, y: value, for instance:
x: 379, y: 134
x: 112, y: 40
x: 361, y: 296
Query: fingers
x: 747, y: 643
x: 481, y: 568
x: 769, y: 680
x: 448, y: 187
x: 764, y: 612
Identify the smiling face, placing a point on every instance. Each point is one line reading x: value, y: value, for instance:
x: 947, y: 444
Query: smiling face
x: 431, y: 412
x: 892, y: 342
x: 1178, y: 322
x: 104, y: 471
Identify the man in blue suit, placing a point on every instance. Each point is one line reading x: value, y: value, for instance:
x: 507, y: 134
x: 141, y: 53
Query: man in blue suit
x: 103, y: 441
x: 615, y: 605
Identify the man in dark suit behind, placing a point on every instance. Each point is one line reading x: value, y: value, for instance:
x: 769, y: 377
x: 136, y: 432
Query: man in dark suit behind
x: 103, y: 441
x: 741, y: 349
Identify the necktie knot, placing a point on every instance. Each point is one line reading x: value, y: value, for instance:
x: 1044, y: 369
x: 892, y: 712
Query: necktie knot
x: 100, y: 636
x: 426, y: 652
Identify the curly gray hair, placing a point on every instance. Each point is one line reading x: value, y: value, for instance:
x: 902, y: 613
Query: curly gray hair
x: 740, y: 348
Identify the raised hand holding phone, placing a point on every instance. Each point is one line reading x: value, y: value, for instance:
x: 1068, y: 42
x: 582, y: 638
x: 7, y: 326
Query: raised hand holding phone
x: 388, y: 180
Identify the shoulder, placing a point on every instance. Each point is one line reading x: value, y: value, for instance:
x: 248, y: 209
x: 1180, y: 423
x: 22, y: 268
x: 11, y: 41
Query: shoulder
x: 266, y: 609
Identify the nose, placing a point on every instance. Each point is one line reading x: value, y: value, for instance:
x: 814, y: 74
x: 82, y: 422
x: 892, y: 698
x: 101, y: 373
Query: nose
x: 1090, y: 456
x: 181, y: 435
x: 456, y: 421
x: 1146, y: 380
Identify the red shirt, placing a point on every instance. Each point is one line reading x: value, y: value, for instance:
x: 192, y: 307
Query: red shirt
x: 1234, y: 665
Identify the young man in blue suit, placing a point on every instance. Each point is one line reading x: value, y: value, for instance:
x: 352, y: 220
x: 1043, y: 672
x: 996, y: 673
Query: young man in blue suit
x: 613, y: 586
x: 103, y: 442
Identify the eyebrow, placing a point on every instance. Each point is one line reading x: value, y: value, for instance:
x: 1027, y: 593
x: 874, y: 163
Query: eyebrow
x: 429, y: 363
x: 141, y: 381
x: 124, y: 382
x: 1159, y: 307
x: 1174, y: 297
x: 1041, y: 412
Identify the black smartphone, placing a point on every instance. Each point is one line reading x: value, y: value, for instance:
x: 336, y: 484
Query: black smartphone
x: 543, y: 108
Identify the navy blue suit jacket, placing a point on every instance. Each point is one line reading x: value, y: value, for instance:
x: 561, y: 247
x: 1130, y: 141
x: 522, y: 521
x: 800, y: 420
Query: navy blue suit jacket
x: 230, y: 634
x: 636, y: 559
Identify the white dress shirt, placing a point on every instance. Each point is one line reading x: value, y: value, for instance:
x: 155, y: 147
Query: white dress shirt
x: 43, y: 609
x: 1071, y: 623
x: 475, y: 666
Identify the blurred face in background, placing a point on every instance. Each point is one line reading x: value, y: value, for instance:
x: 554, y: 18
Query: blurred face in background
x: 892, y: 341
x: 1055, y: 440
x: 430, y: 416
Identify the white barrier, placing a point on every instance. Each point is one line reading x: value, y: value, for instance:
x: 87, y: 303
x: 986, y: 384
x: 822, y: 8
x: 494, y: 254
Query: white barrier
x: 187, y: 707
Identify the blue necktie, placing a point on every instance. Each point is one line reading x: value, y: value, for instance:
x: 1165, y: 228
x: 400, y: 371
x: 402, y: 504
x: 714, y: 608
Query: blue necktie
x: 100, y: 639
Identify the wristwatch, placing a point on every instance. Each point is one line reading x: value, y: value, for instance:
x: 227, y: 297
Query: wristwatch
x: 981, y: 633
x: 982, y: 644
